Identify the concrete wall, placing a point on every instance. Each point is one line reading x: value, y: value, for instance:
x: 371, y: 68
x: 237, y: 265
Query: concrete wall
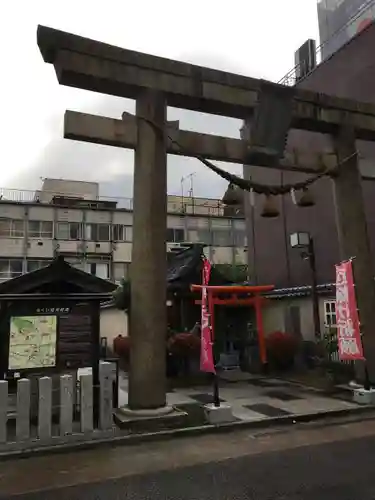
x: 274, y: 315
x: 112, y: 324
x: 59, y: 187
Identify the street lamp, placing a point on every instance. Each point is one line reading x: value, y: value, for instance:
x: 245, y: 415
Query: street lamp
x: 300, y: 240
x: 305, y: 242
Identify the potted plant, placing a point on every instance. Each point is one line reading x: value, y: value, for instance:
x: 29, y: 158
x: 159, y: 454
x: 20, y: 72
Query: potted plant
x: 121, y: 347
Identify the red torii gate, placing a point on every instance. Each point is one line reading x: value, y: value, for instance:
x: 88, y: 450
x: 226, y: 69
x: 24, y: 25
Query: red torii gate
x: 254, y: 299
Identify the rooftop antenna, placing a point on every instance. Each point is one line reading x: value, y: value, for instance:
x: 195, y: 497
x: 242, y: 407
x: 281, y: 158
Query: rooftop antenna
x: 191, y: 190
x: 190, y: 193
x: 182, y: 188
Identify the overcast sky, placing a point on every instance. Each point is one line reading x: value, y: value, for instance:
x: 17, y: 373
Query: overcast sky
x: 251, y: 37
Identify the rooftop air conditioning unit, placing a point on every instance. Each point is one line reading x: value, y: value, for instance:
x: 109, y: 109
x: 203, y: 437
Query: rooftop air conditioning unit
x: 305, y: 59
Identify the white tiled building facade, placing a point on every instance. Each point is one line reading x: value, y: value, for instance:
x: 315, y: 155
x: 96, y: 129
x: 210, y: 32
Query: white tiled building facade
x: 95, y: 234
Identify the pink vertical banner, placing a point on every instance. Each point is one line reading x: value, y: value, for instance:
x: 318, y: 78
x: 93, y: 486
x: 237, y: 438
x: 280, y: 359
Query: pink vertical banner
x: 207, y: 359
x: 347, y: 320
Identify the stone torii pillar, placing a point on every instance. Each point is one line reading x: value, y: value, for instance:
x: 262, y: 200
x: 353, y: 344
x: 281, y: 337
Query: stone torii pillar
x: 354, y: 240
x: 148, y: 318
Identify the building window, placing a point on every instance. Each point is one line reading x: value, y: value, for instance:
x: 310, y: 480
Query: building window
x: 239, y: 238
x: 120, y: 271
x: 222, y: 238
x: 199, y: 236
x: 69, y: 231
x: 34, y: 265
x: 122, y: 233
x: 97, y: 232
x: 40, y: 229
x: 12, y: 228
x: 10, y: 268
x: 204, y: 236
x: 197, y: 222
x: 330, y: 313
x: 76, y: 263
x: 175, y: 235
x: 98, y: 269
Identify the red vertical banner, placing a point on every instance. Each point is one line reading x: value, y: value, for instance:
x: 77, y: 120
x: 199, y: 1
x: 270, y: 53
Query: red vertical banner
x: 207, y: 359
x: 347, y: 320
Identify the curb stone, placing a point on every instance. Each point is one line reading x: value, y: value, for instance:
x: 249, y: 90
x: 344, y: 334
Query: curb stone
x: 134, y: 439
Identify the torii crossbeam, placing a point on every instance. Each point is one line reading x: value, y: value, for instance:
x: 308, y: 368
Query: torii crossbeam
x: 156, y: 83
x: 123, y: 134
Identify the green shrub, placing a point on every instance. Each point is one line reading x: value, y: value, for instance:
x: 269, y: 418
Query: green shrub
x: 281, y: 349
x: 184, y: 344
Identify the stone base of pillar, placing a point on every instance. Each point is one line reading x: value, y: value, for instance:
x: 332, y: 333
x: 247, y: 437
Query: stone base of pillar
x: 217, y: 415
x: 364, y: 397
x: 162, y: 418
x: 355, y: 385
x: 157, y: 412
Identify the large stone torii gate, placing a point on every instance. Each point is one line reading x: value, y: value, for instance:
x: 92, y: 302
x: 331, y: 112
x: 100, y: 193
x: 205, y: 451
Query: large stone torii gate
x: 156, y: 83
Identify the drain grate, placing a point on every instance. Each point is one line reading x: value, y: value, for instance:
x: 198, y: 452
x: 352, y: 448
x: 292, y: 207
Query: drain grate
x: 283, y: 396
x: 268, y: 410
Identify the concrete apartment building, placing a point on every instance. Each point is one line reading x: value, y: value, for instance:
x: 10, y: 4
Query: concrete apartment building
x: 95, y: 234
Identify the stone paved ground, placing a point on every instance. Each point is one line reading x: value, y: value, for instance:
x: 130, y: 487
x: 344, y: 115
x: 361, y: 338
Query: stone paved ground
x: 255, y: 399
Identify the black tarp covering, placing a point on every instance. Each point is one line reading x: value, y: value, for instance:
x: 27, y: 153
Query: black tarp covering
x: 185, y: 269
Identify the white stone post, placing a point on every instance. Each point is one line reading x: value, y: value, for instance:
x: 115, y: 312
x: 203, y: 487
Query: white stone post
x: 45, y: 408
x: 86, y: 403
x: 3, y: 410
x: 66, y: 405
x: 23, y: 409
x: 106, y: 403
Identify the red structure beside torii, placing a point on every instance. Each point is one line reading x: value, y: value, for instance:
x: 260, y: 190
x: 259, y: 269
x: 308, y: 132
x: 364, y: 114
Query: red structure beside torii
x: 215, y: 297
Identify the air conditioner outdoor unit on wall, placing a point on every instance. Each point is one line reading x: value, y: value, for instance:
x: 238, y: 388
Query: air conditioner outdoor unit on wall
x: 171, y: 246
x: 178, y: 247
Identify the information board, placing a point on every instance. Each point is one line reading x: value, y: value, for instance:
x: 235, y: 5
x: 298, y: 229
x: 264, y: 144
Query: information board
x: 32, y: 342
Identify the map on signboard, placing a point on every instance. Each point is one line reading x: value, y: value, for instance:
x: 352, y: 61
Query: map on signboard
x: 32, y: 342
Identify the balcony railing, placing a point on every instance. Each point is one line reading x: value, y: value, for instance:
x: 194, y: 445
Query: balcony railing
x: 29, y: 196
x: 176, y: 204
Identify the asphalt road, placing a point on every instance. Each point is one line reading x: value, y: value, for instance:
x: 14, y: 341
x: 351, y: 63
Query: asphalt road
x: 342, y: 470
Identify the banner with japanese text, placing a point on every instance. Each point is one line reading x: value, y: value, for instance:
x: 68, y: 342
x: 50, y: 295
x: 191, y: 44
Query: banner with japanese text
x: 347, y: 320
x: 207, y: 359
